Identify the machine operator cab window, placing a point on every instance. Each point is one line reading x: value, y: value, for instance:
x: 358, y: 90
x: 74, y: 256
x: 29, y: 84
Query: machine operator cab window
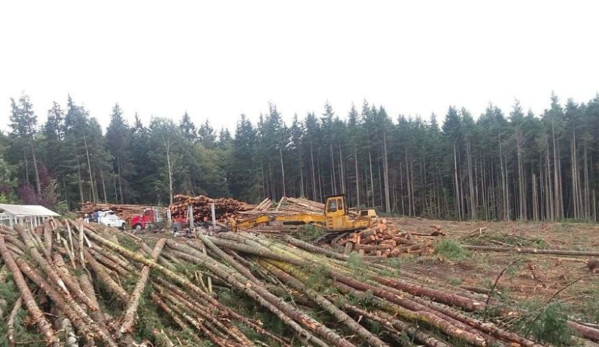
x: 335, y: 206
x: 332, y: 206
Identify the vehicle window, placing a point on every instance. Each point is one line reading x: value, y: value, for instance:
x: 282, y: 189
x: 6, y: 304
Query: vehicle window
x: 332, y: 205
x: 146, y: 213
x: 340, y: 203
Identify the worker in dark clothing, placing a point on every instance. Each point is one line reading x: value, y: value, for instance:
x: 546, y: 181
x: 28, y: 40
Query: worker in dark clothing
x: 205, y: 223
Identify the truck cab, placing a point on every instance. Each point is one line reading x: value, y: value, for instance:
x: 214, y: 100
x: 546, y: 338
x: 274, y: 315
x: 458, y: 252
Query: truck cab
x: 147, y: 219
x: 109, y: 218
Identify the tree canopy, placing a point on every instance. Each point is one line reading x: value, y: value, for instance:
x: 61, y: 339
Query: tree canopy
x: 501, y: 164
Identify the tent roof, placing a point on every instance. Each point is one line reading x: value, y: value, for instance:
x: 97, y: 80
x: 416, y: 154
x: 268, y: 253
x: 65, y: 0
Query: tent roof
x: 28, y: 210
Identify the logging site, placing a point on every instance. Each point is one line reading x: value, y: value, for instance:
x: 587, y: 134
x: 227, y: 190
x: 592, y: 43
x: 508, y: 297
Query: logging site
x: 299, y: 174
x: 294, y: 272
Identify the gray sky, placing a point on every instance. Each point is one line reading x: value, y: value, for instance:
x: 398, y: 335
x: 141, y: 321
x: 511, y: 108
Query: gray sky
x: 219, y: 59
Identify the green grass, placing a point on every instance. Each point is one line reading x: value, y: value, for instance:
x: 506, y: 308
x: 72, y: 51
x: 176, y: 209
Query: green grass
x: 508, y: 239
x: 452, y: 250
x: 454, y: 281
x: 590, y: 311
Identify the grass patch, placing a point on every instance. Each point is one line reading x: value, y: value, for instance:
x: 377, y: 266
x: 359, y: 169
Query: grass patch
x: 454, y: 281
x: 507, y: 239
x: 590, y: 310
x: 452, y: 250
x: 355, y: 261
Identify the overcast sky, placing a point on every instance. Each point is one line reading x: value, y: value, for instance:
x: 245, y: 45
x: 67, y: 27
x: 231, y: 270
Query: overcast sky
x: 219, y: 59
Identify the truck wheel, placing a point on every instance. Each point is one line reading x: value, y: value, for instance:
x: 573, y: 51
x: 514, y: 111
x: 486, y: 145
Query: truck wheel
x: 137, y: 227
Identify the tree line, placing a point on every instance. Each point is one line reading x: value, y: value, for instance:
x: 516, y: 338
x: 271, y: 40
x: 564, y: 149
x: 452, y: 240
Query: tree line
x: 503, y: 165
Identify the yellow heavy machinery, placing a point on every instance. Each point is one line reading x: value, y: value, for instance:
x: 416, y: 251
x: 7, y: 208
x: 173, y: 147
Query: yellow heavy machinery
x: 336, y: 218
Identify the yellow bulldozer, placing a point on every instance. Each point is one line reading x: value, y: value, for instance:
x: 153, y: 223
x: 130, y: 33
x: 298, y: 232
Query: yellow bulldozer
x: 336, y: 218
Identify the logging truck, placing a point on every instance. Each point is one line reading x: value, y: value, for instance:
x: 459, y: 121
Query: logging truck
x: 336, y: 218
x: 147, y: 220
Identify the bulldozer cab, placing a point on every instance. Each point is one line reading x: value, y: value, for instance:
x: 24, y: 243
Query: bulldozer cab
x: 335, y: 206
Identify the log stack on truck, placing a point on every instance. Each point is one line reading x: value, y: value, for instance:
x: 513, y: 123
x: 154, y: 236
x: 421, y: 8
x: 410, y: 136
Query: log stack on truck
x: 201, y: 205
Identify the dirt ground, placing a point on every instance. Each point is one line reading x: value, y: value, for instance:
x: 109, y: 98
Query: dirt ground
x: 530, y: 276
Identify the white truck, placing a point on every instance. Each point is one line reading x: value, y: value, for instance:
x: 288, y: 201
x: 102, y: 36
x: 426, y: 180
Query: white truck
x: 109, y: 218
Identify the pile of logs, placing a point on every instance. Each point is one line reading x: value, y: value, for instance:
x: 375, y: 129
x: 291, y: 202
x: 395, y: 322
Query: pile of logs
x: 287, y: 206
x: 85, y: 284
x: 124, y: 211
x: 224, y: 207
x: 384, y: 240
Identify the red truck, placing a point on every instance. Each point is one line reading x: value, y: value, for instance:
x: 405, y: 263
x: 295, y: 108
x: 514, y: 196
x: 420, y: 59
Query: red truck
x: 147, y: 220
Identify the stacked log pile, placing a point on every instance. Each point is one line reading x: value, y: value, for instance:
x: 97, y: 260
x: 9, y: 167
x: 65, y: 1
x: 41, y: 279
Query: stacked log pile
x: 384, y: 240
x: 287, y: 206
x: 224, y: 207
x: 124, y: 211
x: 83, y: 284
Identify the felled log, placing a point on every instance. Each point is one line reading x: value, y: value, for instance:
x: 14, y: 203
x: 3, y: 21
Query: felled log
x: 532, y: 251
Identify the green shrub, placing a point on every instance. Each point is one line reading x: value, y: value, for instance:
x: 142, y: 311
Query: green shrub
x: 546, y: 323
x: 452, y: 250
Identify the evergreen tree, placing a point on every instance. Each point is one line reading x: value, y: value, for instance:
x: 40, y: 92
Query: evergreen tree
x: 242, y: 169
x: 188, y: 129
x: 118, y: 144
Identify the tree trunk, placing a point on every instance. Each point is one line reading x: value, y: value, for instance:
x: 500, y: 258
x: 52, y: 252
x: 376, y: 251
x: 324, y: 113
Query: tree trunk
x: 301, y: 170
x: 371, y: 177
x: 103, y: 185
x: 587, y: 197
x: 471, y: 183
x: 521, y: 184
x: 341, y: 170
x: 80, y: 180
x: 556, y: 177
x: 314, y: 197
x: 26, y: 167
x: 167, y: 145
x: 38, y: 184
x: 120, y: 180
x: 282, y: 170
x: 549, y: 187
x: 333, y: 179
x: 89, y: 169
x: 386, y: 174
x: 457, y: 183
x: 408, y: 185
x: 532, y: 251
x: 357, y: 176
x: 116, y: 192
x: 535, y: 199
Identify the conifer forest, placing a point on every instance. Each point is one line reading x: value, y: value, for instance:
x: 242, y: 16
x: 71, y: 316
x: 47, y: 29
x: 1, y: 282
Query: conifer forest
x: 503, y: 164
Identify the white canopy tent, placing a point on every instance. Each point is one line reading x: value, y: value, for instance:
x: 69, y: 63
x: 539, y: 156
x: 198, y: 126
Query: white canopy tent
x: 26, y: 215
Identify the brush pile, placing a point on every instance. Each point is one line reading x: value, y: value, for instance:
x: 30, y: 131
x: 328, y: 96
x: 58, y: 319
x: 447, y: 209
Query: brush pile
x: 384, y: 240
x: 224, y: 207
x: 83, y: 284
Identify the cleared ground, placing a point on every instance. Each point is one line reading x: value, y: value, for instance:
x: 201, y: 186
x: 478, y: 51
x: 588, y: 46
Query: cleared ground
x: 531, y: 279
